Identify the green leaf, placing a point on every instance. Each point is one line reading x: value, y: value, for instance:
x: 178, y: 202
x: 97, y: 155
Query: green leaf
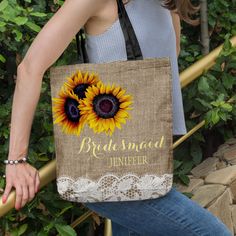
x: 203, y: 85
x: 221, y: 97
x: 227, y: 107
x: 2, y: 58
x: 22, y: 229
x: 65, y: 230
x: 204, y: 103
x: 227, y: 44
x: 64, y: 210
x: 20, y: 20
x: 211, y: 78
x: 33, y: 26
x: 3, y: 5
x: 18, y: 35
x: 38, y: 14
x: 184, y: 178
x: 14, y: 232
x: 223, y: 116
x: 177, y: 164
x: 43, y: 158
x: 216, y: 103
x: 214, y: 116
x: 186, y: 167
x: 190, y: 59
x: 198, y: 136
x: 2, y: 182
x: 228, y: 81
x: 208, y: 118
x: 2, y: 24
x: 196, y: 153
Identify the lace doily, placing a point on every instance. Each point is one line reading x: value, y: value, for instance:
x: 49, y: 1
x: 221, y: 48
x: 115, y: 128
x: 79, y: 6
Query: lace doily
x: 113, y: 188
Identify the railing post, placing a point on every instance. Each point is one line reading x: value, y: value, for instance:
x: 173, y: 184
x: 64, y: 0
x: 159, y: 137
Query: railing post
x: 108, y: 228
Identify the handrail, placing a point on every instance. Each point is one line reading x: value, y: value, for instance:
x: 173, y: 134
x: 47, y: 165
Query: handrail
x: 205, y: 63
x: 48, y: 172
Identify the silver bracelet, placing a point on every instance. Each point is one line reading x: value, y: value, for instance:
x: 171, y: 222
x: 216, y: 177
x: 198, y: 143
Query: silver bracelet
x: 11, y: 162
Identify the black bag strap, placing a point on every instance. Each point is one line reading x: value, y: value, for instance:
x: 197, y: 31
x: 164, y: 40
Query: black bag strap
x: 133, y: 49
x: 132, y: 45
x: 81, y: 50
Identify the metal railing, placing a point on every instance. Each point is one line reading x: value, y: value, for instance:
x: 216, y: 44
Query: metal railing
x: 48, y: 172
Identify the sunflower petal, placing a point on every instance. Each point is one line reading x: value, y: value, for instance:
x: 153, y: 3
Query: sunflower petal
x: 108, y: 89
x: 116, y: 91
x: 125, y: 98
x: 125, y: 104
x: 120, y: 94
x: 102, y: 89
x: 122, y: 114
x: 117, y: 124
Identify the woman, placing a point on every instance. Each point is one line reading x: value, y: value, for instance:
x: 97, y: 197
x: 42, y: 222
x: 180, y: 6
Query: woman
x: 173, y: 214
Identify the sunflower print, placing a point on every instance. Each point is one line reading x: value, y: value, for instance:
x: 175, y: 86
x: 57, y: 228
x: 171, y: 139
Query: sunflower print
x: 80, y: 81
x: 105, y: 107
x: 66, y: 112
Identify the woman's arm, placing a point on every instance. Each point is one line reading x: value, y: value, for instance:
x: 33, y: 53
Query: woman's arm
x: 46, y: 48
x: 177, y: 27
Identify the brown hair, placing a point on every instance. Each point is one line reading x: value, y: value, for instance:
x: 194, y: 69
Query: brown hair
x: 184, y: 8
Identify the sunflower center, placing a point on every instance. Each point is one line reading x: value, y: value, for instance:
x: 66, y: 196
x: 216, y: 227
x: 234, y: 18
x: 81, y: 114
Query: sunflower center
x: 80, y: 90
x: 106, y: 105
x: 71, y: 110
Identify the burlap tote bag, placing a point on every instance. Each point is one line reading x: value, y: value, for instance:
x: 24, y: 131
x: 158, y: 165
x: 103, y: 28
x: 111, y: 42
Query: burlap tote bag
x: 113, y: 126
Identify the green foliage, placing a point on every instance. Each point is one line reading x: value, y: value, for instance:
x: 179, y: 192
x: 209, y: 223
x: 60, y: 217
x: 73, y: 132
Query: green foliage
x: 19, y: 23
x: 206, y: 98
x: 65, y: 230
x: 212, y: 95
x: 211, y: 98
x: 217, y: 86
x: 222, y: 20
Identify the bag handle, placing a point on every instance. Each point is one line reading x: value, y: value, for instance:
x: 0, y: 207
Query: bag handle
x: 81, y: 50
x: 133, y: 49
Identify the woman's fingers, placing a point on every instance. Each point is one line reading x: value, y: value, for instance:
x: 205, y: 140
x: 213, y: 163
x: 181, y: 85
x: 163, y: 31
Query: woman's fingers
x: 31, y: 182
x: 37, y: 182
x: 26, y: 182
x: 6, y: 192
x: 19, y: 195
x: 25, y: 195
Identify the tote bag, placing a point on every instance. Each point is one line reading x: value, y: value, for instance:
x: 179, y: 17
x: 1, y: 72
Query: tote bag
x: 113, y: 126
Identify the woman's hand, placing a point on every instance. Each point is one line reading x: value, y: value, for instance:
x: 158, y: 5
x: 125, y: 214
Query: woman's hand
x: 25, y: 179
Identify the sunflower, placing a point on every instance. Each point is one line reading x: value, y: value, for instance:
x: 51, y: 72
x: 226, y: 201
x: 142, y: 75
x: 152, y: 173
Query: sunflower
x: 105, y: 107
x: 66, y: 112
x: 80, y: 81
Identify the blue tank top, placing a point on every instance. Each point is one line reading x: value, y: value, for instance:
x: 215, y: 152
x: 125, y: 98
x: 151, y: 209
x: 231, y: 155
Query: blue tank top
x: 154, y: 29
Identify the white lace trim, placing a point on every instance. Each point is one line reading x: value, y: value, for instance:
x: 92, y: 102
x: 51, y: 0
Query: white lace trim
x: 113, y: 188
